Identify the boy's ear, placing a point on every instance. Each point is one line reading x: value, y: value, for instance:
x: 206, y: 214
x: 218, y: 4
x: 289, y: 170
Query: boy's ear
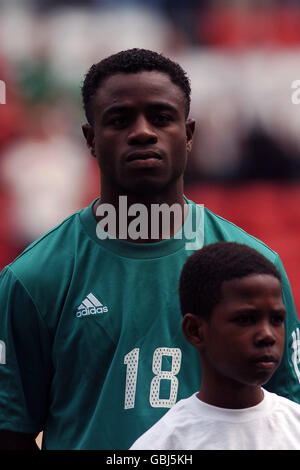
x: 88, y: 133
x: 193, y: 330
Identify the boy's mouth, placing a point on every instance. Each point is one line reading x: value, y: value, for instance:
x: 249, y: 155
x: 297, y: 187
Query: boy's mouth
x: 266, y: 361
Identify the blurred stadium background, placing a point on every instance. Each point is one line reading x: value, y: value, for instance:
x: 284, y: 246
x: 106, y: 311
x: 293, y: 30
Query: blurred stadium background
x: 242, y: 57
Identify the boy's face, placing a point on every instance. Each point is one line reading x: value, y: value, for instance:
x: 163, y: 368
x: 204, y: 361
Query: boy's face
x: 244, y: 339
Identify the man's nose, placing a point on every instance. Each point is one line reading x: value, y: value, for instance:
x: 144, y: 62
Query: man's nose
x: 142, y: 133
x: 265, y: 335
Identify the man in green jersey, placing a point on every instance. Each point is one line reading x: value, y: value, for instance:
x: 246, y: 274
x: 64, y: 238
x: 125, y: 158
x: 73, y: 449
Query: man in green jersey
x: 91, y: 347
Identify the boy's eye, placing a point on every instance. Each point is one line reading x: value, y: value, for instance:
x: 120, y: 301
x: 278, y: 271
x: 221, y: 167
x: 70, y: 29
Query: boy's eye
x: 244, y: 320
x: 277, y: 320
x: 249, y: 319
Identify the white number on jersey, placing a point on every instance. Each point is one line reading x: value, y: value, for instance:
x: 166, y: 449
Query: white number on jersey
x: 132, y: 360
x: 160, y: 374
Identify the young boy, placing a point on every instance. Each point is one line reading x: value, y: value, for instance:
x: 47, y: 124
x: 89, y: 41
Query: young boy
x: 233, y: 314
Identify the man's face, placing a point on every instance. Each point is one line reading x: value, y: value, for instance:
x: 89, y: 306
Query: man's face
x: 244, y: 338
x: 139, y: 135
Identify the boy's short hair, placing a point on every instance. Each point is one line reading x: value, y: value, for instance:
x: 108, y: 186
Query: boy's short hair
x: 205, y: 270
x: 133, y: 61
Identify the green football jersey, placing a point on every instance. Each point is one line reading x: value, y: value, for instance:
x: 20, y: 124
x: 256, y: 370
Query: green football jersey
x: 91, y: 347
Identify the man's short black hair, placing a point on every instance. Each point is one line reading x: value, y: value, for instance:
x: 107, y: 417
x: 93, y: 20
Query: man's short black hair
x: 205, y: 270
x: 133, y: 61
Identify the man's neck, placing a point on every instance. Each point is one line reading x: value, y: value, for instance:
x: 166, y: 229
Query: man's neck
x: 155, y: 216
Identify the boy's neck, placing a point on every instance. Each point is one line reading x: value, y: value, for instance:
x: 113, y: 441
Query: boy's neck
x: 232, y: 397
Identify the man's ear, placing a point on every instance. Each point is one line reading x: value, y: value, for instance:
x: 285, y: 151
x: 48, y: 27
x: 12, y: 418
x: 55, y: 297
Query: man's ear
x: 193, y: 330
x: 190, y: 129
x: 89, y: 135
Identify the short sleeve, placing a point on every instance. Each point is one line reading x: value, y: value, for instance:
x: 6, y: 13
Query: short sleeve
x: 286, y: 380
x: 25, y: 359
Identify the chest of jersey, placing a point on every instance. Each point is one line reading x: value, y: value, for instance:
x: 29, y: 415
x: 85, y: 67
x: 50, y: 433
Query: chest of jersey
x: 120, y: 338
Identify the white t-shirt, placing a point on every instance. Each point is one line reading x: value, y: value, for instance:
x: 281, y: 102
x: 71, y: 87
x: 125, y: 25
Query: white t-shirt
x: 273, y: 424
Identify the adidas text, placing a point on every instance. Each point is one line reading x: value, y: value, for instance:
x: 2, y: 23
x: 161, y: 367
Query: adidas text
x: 91, y: 311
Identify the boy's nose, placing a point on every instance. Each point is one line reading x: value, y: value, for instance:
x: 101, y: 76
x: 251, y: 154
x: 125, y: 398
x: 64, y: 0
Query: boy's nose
x: 265, y: 335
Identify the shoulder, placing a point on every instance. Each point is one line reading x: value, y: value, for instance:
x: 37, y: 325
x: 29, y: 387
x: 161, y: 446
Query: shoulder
x: 218, y: 228
x: 283, y: 403
x: 48, y: 261
x: 52, y: 244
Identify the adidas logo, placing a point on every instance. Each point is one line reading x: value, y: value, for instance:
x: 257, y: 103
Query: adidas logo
x: 90, y: 306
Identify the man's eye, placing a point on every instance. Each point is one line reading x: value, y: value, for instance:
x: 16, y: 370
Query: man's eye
x: 117, y: 121
x: 162, y: 119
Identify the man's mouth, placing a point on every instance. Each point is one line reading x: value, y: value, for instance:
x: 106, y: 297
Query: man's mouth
x: 143, y: 155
